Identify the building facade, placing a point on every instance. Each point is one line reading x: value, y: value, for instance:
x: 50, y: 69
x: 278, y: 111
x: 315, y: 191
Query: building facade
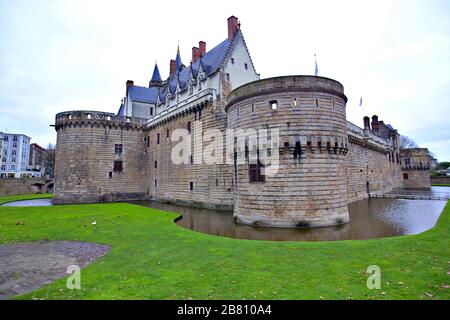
x: 167, y: 141
x: 15, y: 153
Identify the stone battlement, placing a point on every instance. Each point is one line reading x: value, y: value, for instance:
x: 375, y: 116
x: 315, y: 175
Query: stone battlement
x: 299, y: 84
x: 88, y: 117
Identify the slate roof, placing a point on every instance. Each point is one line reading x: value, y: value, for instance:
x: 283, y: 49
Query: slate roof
x: 390, y: 127
x: 143, y: 94
x: 156, y: 75
x: 210, y: 63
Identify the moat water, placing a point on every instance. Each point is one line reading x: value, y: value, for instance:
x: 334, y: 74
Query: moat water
x: 369, y: 219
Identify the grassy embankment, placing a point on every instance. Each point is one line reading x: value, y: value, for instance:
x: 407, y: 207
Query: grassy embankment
x: 153, y: 258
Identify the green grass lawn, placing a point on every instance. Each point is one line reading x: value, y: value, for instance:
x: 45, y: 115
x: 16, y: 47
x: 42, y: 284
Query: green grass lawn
x: 440, y: 185
x: 153, y: 258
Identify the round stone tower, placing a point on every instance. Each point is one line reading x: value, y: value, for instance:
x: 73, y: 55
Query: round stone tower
x: 304, y: 116
x: 99, y: 157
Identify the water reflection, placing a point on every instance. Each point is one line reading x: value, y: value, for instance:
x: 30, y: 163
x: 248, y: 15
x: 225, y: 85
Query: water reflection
x: 30, y: 203
x: 371, y: 218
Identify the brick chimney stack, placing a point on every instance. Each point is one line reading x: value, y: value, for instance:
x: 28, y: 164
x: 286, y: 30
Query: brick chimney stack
x: 173, y: 67
x: 202, y: 46
x: 195, y: 54
x: 375, y: 123
x: 129, y: 83
x: 366, y: 123
x: 233, y: 26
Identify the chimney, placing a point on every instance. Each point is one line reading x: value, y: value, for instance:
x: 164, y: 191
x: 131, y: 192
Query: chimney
x: 366, y: 123
x: 173, y: 67
x: 195, y: 54
x: 375, y: 123
x: 129, y: 83
x: 233, y: 25
x: 202, y: 46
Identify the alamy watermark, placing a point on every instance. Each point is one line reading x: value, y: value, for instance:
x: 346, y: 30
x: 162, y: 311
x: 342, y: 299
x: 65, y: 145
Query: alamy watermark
x: 232, y: 147
x: 74, y: 280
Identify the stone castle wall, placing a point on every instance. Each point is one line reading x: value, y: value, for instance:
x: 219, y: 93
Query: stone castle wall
x: 85, y: 155
x: 169, y: 182
x: 14, y: 186
x: 309, y: 188
x: 416, y: 168
x: 369, y: 167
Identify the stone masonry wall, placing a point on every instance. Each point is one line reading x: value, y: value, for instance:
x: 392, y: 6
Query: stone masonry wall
x: 310, y: 187
x: 369, y: 170
x: 22, y: 186
x: 169, y: 182
x: 85, y: 158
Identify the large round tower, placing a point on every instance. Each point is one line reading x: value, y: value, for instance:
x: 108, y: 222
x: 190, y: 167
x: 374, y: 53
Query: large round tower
x: 309, y: 189
x: 99, y: 157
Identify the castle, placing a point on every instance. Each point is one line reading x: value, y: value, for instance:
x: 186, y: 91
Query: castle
x: 322, y: 161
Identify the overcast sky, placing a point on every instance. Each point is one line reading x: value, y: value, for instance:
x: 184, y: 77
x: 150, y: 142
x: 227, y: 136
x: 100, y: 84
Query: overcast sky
x: 68, y: 55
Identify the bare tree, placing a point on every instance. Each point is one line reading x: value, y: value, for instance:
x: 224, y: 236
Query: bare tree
x: 406, y: 142
x: 49, y: 160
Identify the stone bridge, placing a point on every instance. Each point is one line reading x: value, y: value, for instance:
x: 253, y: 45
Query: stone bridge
x: 12, y: 186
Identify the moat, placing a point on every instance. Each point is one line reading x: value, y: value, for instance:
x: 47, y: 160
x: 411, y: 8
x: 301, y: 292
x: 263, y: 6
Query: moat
x: 369, y: 219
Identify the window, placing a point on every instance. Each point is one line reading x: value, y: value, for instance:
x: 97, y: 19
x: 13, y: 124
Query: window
x: 253, y: 107
x: 151, y: 111
x: 191, y: 186
x: 118, y: 149
x: 156, y: 164
x: 3, y: 167
x: 15, y: 138
x: 118, y: 166
x: 232, y: 60
x: 407, y: 162
x: 13, y: 152
x: 405, y: 176
x: 156, y: 183
x: 246, y: 66
x: 189, y: 127
x: 254, y: 173
x: 14, y: 145
x: 89, y: 116
x: 148, y: 141
x: 167, y: 133
x: 274, y: 104
x: 13, y: 167
x: 295, y: 102
x: 191, y: 159
x: 13, y: 159
x: 228, y: 76
x: 110, y: 175
x: 157, y: 138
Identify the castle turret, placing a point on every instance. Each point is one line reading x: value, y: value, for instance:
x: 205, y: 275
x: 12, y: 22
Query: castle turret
x: 309, y: 187
x: 99, y: 157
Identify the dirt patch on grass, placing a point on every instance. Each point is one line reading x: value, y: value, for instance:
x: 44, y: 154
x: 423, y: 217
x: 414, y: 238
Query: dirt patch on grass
x: 26, y: 266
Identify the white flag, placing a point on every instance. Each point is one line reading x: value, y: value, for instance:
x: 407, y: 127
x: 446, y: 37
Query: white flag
x: 317, y: 68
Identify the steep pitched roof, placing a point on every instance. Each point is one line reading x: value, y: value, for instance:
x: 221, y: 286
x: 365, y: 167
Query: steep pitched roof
x: 143, y: 94
x: 179, y: 64
x: 156, y: 75
x: 211, y: 62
